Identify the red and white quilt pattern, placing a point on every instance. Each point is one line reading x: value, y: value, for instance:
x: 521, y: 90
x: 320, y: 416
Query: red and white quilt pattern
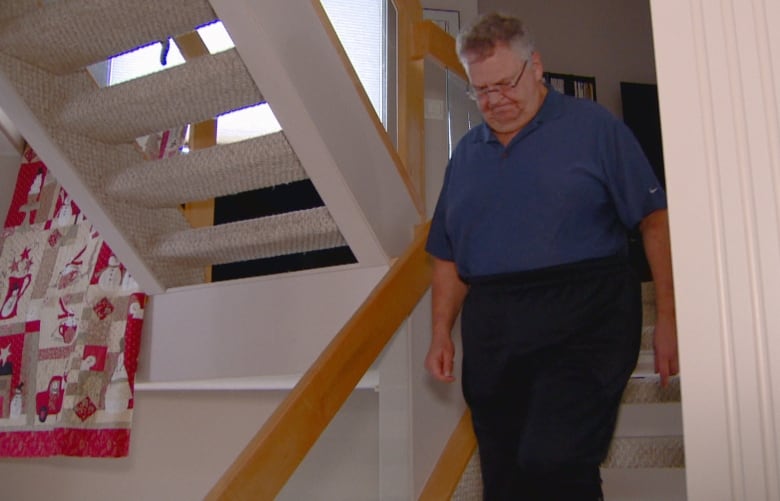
x: 70, y: 327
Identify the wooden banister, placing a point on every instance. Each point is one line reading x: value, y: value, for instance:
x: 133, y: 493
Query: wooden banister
x: 411, y: 89
x: 268, y: 461
x: 452, y: 463
x: 432, y: 41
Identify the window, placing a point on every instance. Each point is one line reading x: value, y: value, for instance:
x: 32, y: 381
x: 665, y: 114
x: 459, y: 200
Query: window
x: 362, y: 28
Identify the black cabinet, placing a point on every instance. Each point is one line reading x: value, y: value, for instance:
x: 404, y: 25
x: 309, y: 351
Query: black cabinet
x: 641, y: 115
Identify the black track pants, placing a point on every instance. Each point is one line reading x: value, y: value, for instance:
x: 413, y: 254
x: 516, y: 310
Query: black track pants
x: 546, y: 357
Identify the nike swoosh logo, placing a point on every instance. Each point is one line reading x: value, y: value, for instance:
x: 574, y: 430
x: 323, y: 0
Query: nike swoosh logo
x: 653, y: 190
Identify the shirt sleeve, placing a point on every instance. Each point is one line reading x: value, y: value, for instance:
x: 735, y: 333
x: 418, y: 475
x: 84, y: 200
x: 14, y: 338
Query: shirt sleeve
x: 633, y: 185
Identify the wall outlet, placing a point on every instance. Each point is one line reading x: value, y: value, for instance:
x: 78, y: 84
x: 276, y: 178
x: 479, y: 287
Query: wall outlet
x: 434, y: 109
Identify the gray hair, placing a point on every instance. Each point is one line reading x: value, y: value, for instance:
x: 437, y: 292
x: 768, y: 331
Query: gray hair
x: 481, y: 38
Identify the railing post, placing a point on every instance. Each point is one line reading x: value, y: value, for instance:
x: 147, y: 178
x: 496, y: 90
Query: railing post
x: 411, y: 88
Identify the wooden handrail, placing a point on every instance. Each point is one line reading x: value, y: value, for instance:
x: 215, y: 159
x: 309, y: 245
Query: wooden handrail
x: 431, y: 40
x: 267, y: 462
x: 452, y: 463
x: 410, y: 95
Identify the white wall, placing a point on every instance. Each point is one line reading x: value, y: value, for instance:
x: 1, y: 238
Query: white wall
x: 253, y: 327
x: 182, y: 442
x: 719, y: 82
x: 437, y: 407
x: 609, y: 39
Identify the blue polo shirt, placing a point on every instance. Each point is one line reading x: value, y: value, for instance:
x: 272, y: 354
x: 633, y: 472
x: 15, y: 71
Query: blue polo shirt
x: 566, y: 188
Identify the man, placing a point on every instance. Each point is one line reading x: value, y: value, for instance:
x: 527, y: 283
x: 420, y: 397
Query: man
x: 529, y: 239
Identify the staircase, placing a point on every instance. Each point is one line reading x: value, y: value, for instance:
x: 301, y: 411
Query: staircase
x: 646, y: 459
x: 87, y: 136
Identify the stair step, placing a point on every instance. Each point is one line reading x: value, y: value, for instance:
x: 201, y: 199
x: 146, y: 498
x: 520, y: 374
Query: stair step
x: 646, y: 452
x: 470, y: 485
x: 10, y: 9
x: 644, y: 484
x: 648, y: 304
x: 625, y: 452
x: 201, y: 89
x: 647, y: 338
x: 66, y: 36
x: 641, y: 390
x: 299, y: 231
x: 655, y: 451
x: 212, y: 172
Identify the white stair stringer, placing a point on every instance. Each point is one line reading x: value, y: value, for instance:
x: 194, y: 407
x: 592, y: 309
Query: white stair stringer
x: 69, y: 35
x: 292, y: 232
x: 328, y: 119
x: 208, y: 173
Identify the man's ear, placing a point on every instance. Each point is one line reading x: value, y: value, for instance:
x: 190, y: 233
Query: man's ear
x: 538, y: 66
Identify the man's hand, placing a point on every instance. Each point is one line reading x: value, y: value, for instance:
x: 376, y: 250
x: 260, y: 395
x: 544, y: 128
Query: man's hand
x: 655, y: 237
x: 448, y: 292
x: 440, y: 359
x: 665, y: 345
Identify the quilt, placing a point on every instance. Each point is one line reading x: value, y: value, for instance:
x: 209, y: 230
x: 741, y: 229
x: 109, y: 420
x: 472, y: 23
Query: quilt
x: 70, y: 327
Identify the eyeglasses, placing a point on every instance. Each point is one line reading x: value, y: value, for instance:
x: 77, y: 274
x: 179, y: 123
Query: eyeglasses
x: 482, y: 92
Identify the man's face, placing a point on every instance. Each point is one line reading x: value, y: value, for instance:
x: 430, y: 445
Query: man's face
x: 506, y: 108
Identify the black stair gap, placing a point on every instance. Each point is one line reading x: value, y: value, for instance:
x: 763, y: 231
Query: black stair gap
x: 300, y: 195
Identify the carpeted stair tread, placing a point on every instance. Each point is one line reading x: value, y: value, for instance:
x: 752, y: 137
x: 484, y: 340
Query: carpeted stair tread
x: 646, y: 452
x: 624, y: 452
x: 10, y: 9
x: 201, y: 89
x: 292, y: 232
x: 648, y: 304
x: 142, y: 226
x: 469, y: 487
x: 646, y: 344
x: 221, y: 170
x: 68, y: 35
x: 648, y: 391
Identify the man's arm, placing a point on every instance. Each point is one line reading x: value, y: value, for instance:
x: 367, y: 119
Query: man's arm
x: 448, y: 292
x: 655, y: 238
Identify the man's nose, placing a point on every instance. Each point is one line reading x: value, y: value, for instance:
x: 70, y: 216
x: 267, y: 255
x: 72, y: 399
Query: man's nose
x: 493, y: 96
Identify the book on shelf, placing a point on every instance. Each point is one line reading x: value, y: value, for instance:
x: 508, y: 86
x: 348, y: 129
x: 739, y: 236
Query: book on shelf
x: 573, y: 85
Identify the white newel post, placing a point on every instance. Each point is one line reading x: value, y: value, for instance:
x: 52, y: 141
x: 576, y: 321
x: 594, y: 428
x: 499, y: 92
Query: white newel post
x: 718, y: 64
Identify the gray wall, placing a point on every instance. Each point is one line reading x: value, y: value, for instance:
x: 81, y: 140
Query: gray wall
x: 609, y: 39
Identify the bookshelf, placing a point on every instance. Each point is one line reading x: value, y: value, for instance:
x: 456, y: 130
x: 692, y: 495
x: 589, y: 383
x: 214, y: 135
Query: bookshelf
x: 572, y: 85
